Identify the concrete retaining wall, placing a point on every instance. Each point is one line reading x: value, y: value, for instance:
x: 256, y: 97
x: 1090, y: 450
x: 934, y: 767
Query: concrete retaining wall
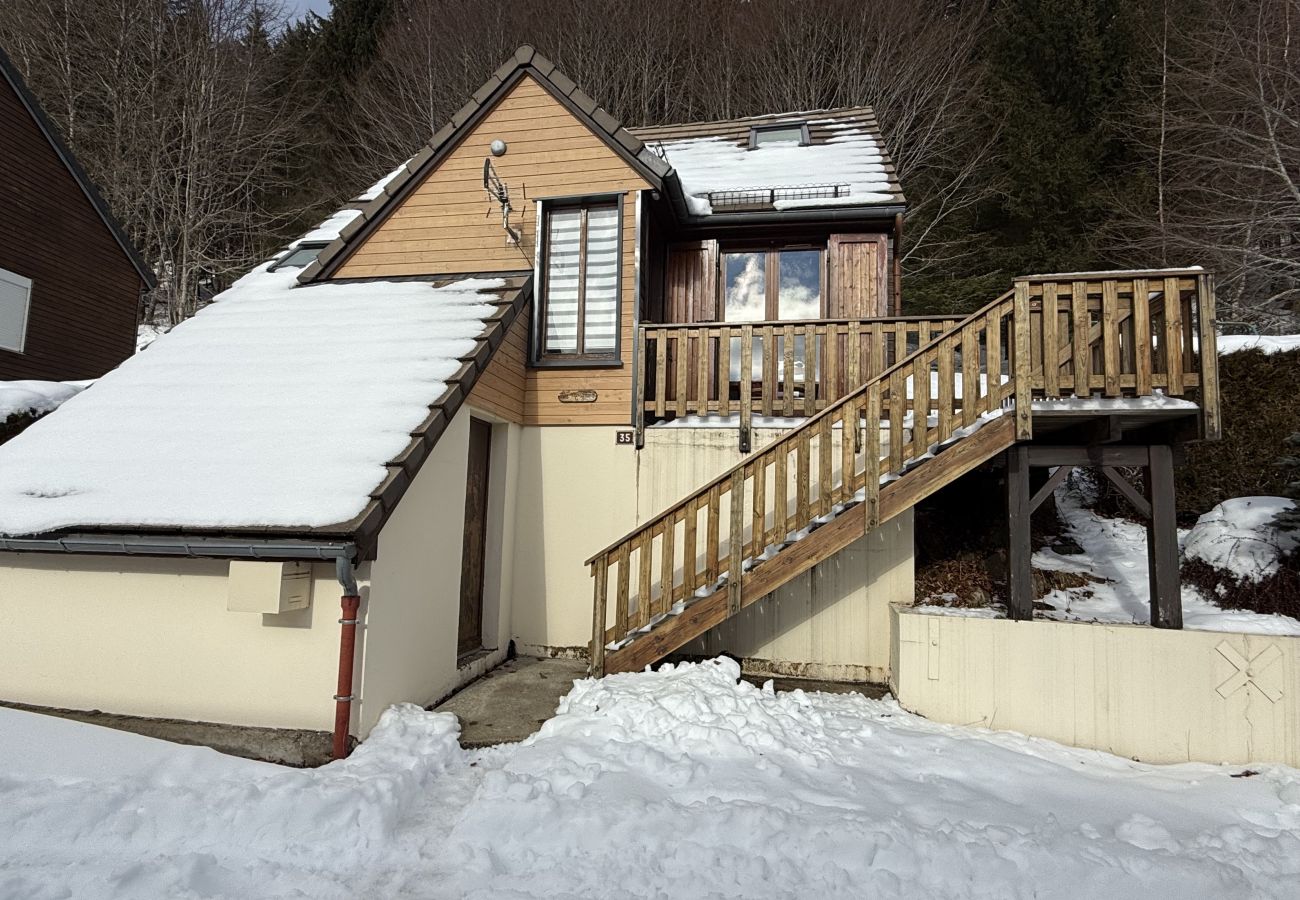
x: 1145, y: 693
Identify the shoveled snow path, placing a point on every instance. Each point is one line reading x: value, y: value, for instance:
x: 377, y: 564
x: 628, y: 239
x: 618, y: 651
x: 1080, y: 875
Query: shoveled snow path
x: 676, y: 783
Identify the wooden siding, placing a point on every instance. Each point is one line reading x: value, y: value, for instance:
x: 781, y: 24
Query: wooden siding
x: 85, y: 291
x: 447, y: 225
x: 500, y: 389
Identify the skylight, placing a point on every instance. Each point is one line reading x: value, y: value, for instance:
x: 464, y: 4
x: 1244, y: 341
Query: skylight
x: 300, y: 256
x: 766, y: 135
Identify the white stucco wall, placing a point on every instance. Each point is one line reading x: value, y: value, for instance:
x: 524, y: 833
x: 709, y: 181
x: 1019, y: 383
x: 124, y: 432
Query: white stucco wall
x: 153, y: 637
x: 579, y: 491
x: 1147, y: 693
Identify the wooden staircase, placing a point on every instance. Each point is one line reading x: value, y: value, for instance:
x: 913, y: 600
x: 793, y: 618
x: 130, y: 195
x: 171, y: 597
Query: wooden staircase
x: 869, y: 456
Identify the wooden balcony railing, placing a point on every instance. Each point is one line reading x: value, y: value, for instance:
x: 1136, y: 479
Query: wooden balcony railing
x: 1112, y: 334
x: 795, y: 369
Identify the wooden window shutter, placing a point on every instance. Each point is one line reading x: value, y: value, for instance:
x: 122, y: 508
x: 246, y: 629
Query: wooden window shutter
x: 857, y: 267
x: 691, y: 287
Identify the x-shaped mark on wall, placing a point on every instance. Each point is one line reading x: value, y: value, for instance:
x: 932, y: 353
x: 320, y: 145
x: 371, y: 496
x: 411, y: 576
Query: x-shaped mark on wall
x: 1250, y: 671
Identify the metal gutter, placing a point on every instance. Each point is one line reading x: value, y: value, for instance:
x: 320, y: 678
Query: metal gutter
x: 193, y: 547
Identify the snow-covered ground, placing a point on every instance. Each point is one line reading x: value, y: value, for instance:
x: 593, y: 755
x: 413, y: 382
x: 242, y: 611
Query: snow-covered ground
x: 1115, y: 550
x: 679, y: 783
x: 1269, y: 343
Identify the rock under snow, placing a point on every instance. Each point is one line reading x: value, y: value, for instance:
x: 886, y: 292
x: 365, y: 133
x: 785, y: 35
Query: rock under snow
x: 1238, y: 536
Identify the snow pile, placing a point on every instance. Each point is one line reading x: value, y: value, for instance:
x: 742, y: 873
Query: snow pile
x: 1268, y: 343
x: 680, y: 782
x: 850, y: 157
x: 236, y: 398
x: 22, y: 397
x: 1238, y: 536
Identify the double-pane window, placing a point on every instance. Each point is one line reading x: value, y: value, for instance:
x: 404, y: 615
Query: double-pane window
x: 580, y: 294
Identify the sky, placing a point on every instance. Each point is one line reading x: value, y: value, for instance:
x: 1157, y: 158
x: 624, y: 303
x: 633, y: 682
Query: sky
x: 296, y: 8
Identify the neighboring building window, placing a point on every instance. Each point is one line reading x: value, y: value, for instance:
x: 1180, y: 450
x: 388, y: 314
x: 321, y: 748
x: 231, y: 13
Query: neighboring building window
x: 300, y: 256
x: 580, y: 286
x: 767, y: 135
x: 770, y: 285
x: 15, y: 298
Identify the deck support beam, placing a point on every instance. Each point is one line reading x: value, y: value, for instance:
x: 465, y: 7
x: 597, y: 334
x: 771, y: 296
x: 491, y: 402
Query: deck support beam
x: 1157, y: 507
x: 1020, y: 574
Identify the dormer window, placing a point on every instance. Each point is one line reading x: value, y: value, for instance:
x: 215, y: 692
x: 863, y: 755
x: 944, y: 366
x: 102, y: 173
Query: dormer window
x: 300, y: 256
x: 795, y: 133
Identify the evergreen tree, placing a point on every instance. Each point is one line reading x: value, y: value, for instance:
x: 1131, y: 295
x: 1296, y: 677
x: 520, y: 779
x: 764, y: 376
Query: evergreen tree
x: 1059, y: 71
x: 1289, y: 520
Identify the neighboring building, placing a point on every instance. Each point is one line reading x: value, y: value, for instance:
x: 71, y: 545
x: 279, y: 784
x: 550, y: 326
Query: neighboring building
x: 70, y: 280
x: 542, y: 336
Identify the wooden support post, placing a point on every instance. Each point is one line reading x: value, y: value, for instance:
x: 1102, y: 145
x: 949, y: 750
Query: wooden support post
x: 640, y: 368
x: 1162, y: 541
x: 1022, y: 386
x: 1020, y: 588
x: 600, y: 572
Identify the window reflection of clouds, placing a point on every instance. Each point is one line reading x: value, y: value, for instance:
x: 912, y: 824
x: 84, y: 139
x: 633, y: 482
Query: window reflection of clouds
x: 800, y: 289
x: 746, y: 287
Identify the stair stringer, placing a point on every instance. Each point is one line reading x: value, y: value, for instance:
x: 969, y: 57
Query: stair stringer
x: 821, y: 544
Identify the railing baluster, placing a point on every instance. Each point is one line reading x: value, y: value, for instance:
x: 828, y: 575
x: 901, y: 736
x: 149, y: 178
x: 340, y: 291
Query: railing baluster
x: 1082, y: 329
x: 736, y: 541
x: 661, y: 373
x: 644, y: 560
x: 871, y: 474
x: 1023, y: 387
x: 970, y: 374
x: 724, y: 370
x: 667, y: 566
x: 853, y: 362
x: 878, y: 363
x: 825, y: 478
x: 780, y: 495
x: 897, y: 409
x: 803, y: 452
x: 946, y: 392
x: 787, y: 370
x: 1142, y: 365
x: 1110, y: 336
x: 680, y: 358
x: 811, y: 368
x: 1211, y: 426
x: 920, y: 405
x: 746, y: 386
x: 769, y: 369
x: 713, y: 540
x: 993, y: 359
x: 848, y: 450
x: 1051, y: 343
x: 624, y: 579
x: 700, y: 360
x: 690, y: 548
x: 1174, y: 337
x: 758, y: 528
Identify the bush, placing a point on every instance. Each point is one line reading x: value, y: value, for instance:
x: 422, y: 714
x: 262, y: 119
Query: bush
x: 1259, y: 397
x: 14, y: 425
x: 1278, y: 593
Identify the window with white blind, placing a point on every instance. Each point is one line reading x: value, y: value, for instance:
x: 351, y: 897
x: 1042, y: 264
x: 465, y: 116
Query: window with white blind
x: 15, y: 298
x: 580, y: 282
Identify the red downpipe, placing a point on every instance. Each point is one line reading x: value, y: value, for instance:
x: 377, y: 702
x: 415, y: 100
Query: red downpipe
x: 347, y: 653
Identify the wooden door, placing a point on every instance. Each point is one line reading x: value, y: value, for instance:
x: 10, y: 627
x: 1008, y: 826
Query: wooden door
x: 474, y: 553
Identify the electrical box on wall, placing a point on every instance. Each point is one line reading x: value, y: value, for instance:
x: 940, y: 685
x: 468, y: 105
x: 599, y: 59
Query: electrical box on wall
x: 268, y: 587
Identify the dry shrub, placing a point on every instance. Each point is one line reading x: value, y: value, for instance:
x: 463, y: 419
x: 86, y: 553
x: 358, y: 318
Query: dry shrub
x: 14, y: 425
x: 1278, y: 593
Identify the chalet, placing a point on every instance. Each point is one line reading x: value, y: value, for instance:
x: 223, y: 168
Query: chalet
x: 592, y: 390
x: 70, y: 279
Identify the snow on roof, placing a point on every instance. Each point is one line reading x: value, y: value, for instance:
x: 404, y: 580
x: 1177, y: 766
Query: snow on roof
x: 843, y: 162
x: 20, y: 397
x: 275, y: 406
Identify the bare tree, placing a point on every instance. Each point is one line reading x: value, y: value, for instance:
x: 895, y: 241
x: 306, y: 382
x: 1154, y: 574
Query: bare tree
x: 1221, y: 126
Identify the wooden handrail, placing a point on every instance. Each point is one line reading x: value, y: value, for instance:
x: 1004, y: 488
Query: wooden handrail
x: 1129, y: 336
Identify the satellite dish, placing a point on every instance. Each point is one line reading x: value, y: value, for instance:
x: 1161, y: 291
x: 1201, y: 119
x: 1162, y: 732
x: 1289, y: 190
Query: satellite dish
x: 499, y: 193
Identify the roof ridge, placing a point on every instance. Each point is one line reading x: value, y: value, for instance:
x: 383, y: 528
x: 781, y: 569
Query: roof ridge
x: 775, y: 115
x: 525, y: 61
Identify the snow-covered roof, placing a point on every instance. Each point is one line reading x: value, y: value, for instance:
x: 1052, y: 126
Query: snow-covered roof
x: 276, y: 407
x: 842, y: 163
